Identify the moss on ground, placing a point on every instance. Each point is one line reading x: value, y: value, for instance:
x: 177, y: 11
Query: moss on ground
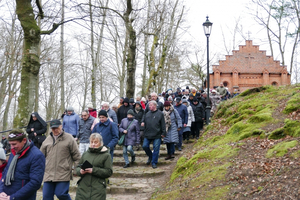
x: 281, y: 148
x: 218, y: 193
x: 293, y: 104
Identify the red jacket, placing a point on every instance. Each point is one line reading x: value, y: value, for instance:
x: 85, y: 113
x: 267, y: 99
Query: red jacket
x: 143, y: 105
x: 93, y: 112
x: 2, y: 168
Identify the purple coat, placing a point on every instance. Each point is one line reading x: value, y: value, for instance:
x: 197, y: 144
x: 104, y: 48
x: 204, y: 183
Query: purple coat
x: 133, y: 133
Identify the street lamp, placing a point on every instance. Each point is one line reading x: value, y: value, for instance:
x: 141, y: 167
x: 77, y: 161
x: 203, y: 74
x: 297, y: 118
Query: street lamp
x: 207, y: 25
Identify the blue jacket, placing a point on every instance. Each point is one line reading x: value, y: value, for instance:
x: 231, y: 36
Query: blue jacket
x: 182, y: 111
x: 109, y: 132
x: 71, y: 123
x: 29, y: 175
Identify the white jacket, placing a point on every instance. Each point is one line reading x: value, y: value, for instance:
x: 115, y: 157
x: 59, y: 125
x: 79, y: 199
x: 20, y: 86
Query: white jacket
x: 191, y: 117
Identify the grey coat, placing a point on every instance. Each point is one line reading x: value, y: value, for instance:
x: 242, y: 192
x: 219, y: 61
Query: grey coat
x: 112, y: 114
x: 85, y: 131
x: 133, y: 133
x: 172, y: 134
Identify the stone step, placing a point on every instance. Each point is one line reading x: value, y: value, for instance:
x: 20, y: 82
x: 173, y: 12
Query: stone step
x: 137, y: 172
x: 162, y: 153
x: 139, y: 161
x: 162, y: 147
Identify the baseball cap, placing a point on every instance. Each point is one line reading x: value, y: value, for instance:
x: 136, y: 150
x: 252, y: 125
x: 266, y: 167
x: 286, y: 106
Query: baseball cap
x: 55, y: 123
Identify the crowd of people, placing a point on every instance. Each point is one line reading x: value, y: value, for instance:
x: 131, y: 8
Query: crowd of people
x: 169, y: 118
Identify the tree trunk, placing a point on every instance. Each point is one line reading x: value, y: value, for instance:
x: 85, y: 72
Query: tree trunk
x: 30, y: 62
x: 130, y: 60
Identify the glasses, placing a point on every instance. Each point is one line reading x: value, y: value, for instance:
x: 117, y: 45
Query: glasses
x: 13, y: 135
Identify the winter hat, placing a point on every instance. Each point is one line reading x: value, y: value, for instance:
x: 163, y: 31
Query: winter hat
x: 16, y: 134
x: 103, y: 113
x: 170, y: 98
x: 131, y: 100
x: 2, y: 154
x: 90, y: 105
x: 178, y: 99
x: 191, y: 95
x: 167, y: 104
x: 143, y: 99
x: 70, y: 108
x: 130, y: 112
x: 126, y: 100
x: 187, y: 87
x: 184, y: 101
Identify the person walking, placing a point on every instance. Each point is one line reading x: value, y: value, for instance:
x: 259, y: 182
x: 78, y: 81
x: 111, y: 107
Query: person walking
x: 60, y: 150
x: 85, y: 131
x: 191, y: 118
x: 92, y: 184
x: 23, y: 174
x: 108, y: 130
x: 182, y: 110
x: 139, y: 115
x: 36, y: 129
x: 173, y: 124
x: 122, y: 111
x: 155, y: 129
x: 71, y: 122
x: 199, y: 114
x: 131, y: 128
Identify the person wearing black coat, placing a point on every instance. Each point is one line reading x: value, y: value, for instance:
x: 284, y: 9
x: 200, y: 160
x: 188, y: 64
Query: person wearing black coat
x: 36, y: 129
x: 199, y: 114
x: 122, y: 111
x: 139, y: 115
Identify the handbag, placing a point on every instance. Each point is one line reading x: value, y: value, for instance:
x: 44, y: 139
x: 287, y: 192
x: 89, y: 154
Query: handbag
x: 122, y: 138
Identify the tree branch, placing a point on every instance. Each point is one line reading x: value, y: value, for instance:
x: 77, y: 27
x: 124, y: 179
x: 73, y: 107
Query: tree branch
x: 41, y: 13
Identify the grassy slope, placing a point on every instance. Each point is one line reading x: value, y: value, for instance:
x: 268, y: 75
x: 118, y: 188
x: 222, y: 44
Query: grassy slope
x: 260, y: 115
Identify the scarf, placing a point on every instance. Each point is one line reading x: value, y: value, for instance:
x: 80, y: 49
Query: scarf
x: 10, y: 176
x: 167, y: 115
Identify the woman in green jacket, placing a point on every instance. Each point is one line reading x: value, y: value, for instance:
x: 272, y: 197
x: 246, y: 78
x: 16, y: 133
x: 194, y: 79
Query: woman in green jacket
x: 92, y: 184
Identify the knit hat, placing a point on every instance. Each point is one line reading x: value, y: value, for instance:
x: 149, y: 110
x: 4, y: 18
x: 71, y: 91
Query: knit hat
x: 103, y: 113
x: 184, y: 101
x: 170, y: 98
x: 70, y: 108
x: 167, y: 104
x: 130, y: 112
x: 2, y: 154
x: 191, y: 95
x: 16, y: 134
x: 126, y: 100
x: 143, y: 99
x: 178, y: 99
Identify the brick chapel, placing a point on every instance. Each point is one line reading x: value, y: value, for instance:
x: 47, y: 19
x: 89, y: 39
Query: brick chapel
x: 247, y: 68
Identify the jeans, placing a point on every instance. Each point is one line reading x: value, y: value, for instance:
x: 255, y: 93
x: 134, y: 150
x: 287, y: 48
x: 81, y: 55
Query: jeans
x: 60, y: 189
x: 170, y: 148
x: 125, y: 155
x: 112, y: 154
x: 156, y: 146
x: 83, y: 147
x: 180, y: 133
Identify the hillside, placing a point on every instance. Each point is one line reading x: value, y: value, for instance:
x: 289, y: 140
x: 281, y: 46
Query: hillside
x: 250, y: 150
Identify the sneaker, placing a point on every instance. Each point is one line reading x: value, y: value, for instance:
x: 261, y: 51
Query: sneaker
x: 179, y: 149
x: 126, y: 165
x: 197, y: 138
x: 154, y: 166
x: 132, y: 159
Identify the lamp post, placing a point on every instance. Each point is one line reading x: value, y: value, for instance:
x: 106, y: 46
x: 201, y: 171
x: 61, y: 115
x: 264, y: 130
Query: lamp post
x: 207, y: 25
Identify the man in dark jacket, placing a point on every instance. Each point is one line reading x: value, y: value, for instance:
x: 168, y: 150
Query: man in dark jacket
x: 155, y: 129
x: 111, y: 113
x: 182, y: 111
x: 139, y: 115
x: 85, y: 131
x: 108, y: 130
x: 122, y: 111
x: 154, y: 97
x: 36, y: 129
x: 25, y: 168
x: 199, y: 114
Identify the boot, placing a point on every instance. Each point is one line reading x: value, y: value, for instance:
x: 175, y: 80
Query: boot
x: 168, y: 157
x: 132, y: 159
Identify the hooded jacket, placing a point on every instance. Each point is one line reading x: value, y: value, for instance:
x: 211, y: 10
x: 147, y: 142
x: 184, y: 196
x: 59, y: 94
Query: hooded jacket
x: 93, y: 186
x: 60, y: 155
x: 29, y: 174
x: 122, y: 111
x: 154, y: 125
x: 71, y: 124
x: 40, y: 127
x: 140, y: 114
x: 182, y: 110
